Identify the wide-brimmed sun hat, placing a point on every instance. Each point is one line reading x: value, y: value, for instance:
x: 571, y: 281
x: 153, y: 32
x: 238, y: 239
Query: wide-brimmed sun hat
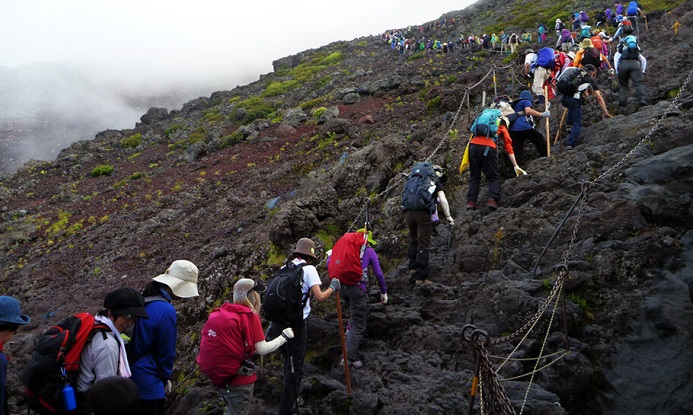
x: 305, y: 246
x: 10, y: 313
x: 181, y: 278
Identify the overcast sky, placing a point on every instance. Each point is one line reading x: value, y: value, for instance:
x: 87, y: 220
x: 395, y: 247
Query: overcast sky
x: 186, y: 41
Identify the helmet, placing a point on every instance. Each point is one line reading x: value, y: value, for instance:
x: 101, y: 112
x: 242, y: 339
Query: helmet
x: 529, y: 51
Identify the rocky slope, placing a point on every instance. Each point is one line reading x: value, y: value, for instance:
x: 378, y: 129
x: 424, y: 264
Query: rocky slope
x: 233, y: 180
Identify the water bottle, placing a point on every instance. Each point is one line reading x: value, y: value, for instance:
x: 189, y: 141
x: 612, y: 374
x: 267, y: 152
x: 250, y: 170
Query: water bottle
x: 69, y: 400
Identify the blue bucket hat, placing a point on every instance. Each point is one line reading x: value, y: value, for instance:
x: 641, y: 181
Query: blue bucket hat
x: 9, y: 311
x: 526, y: 95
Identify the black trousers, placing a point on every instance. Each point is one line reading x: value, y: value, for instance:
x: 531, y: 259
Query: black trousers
x: 294, y: 353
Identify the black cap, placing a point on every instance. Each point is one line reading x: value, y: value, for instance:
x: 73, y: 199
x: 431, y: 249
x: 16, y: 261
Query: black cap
x: 259, y: 286
x: 126, y: 300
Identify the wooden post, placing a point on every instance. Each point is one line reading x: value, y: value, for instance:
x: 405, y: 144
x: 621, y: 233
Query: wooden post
x: 546, y: 108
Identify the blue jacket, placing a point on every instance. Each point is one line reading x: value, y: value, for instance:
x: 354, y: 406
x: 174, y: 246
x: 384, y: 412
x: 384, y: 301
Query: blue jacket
x: 521, y: 124
x: 155, y: 341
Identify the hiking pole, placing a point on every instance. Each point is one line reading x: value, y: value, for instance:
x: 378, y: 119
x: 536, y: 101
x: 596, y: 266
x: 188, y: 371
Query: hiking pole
x: 341, y: 337
x: 546, y: 108
x: 560, y: 125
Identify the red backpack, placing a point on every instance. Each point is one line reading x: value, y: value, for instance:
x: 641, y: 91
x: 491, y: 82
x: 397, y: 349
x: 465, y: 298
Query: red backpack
x: 225, y: 342
x: 345, y: 261
x: 55, y: 361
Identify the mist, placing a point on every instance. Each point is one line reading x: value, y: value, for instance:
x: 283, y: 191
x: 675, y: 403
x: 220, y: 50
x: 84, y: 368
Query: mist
x: 71, y: 69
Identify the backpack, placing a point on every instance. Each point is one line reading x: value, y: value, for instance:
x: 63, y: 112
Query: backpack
x: 419, y: 189
x: 504, y: 104
x: 545, y: 58
x: 569, y: 81
x: 486, y: 124
x: 284, y: 298
x: 632, y: 9
x: 585, y: 32
x: 628, y: 48
x: 597, y: 42
x: 541, y: 30
x: 565, y: 36
x: 584, y: 17
x: 225, y: 342
x: 619, y: 8
x: 591, y: 55
x: 55, y: 361
x: 627, y: 28
x: 345, y: 261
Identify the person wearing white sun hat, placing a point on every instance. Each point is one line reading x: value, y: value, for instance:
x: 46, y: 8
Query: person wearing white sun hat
x: 153, y: 347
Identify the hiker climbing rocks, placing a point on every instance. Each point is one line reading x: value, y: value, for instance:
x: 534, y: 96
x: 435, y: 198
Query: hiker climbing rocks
x: 522, y: 129
x: 230, y: 337
x: 513, y: 41
x: 528, y: 67
x: 588, y: 54
x: 424, y: 186
x: 294, y: 351
x: 10, y: 320
x: 488, y: 129
x: 630, y: 65
x: 356, y: 295
x: 587, y: 86
x: 565, y: 40
x: 105, y: 355
x: 152, y: 349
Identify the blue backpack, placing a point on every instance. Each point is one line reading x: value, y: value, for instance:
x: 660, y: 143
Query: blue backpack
x: 545, y: 58
x: 628, y: 47
x: 419, y: 189
x: 486, y: 124
x: 632, y: 9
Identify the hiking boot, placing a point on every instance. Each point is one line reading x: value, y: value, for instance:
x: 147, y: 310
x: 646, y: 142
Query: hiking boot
x: 492, y: 204
x: 471, y: 206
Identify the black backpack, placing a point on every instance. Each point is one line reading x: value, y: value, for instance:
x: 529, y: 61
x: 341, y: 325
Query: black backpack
x: 419, y: 189
x: 569, y: 81
x: 55, y: 361
x: 284, y: 299
x: 592, y: 56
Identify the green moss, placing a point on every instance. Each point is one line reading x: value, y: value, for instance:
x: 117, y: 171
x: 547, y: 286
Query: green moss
x: 101, y: 170
x: 257, y: 108
x: 170, y: 130
x: 231, y: 139
x: 213, y: 116
x: 131, y: 142
x: 434, y: 104
x: 332, y: 59
x: 280, y: 88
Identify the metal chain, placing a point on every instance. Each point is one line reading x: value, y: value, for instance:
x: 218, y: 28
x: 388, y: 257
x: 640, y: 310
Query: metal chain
x: 497, y: 399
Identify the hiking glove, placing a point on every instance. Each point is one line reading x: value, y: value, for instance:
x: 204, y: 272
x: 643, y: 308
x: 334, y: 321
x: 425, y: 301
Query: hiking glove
x: 168, y: 387
x: 611, y: 72
x: 383, y: 298
x: 288, y: 333
x: 519, y: 171
x: 546, y: 114
x: 334, y: 284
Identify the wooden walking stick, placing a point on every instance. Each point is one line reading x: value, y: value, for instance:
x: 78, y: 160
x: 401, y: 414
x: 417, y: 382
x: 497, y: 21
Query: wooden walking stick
x: 341, y: 337
x: 546, y: 108
x: 560, y: 125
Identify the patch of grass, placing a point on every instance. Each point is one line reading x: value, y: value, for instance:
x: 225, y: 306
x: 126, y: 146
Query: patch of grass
x: 257, y: 108
x: 172, y: 129
x: 131, y: 142
x: 280, y: 88
x: 434, y: 104
x: 332, y: 59
x: 200, y: 134
x: 101, y: 170
x: 213, y: 116
x: 231, y: 139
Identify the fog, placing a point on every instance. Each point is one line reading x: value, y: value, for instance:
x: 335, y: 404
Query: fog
x: 72, y: 68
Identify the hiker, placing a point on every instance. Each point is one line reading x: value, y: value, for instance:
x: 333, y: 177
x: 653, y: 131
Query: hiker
x: 105, y: 354
x: 10, y: 320
x: 576, y: 21
x: 558, y: 27
x: 573, y: 103
x: 417, y: 214
x: 113, y: 395
x: 565, y: 40
x: 541, y: 33
x: 231, y: 335
x: 625, y: 28
x: 630, y: 65
x: 483, y: 157
x: 504, y: 42
x: 528, y: 67
x: 513, y: 41
x: 527, y: 37
x: 294, y: 351
x: 153, y: 345
x: 357, y: 297
x: 521, y: 129
x: 588, y: 54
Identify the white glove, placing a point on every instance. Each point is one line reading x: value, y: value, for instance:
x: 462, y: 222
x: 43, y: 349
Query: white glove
x: 546, y: 114
x: 168, y: 387
x: 383, y: 298
x: 519, y: 171
x: 288, y: 333
x: 450, y: 220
